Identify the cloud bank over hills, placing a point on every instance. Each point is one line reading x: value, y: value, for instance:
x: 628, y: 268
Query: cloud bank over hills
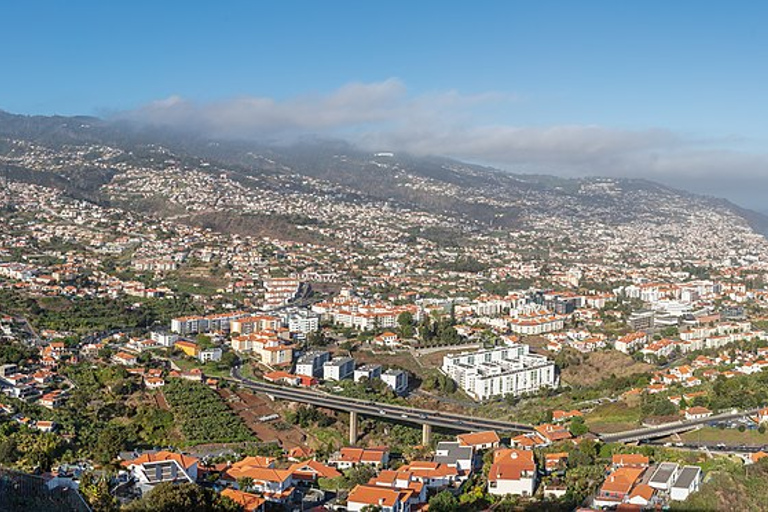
x: 386, y: 115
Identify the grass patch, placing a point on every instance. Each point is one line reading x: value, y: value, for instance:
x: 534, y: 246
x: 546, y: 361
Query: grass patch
x: 399, y: 359
x: 597, y: 366
x: 613, y: 417
x: 330, y: 437
x: 730, y: 436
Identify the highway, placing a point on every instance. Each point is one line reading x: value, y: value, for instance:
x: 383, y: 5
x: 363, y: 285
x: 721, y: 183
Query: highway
x: 439, y: 419
x: 668, y: 429
x: 457, y: 422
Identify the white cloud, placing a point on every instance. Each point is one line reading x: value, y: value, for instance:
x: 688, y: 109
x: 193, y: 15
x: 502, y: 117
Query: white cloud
x: 383, y: 115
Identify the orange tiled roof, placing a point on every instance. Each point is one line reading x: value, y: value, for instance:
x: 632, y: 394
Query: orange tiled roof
x: 629, y: 459
x: 184, y: 461
x: 621, y: 480
x: 246, y: 500
x: 478, y: 438
x: 376, y: 495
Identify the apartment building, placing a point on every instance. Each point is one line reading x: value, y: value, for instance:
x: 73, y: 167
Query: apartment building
x: 510, y: 370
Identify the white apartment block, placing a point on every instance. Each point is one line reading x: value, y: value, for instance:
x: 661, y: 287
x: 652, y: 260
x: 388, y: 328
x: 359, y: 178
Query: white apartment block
x: 339, y: 368
x: 163, y: 338
x: 536, y: 324
x: 278, y: 291
x: 367, y: 371
x: 256, y: 323
x: 397, y: 380
x: 311, y: 363
x: 199, y: 324
x: 303, y: 322
x: 510, y: 370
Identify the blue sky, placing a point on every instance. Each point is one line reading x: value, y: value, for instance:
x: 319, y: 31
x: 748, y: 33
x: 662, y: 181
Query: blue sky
x: 674, y: 91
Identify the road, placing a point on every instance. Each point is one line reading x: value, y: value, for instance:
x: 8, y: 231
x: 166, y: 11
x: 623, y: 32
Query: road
x: 398, y: 413
x: 458, y: 422
x: 642, y: 434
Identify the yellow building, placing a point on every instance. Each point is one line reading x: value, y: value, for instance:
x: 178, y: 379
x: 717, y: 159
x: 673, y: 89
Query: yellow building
x: 189, y: 348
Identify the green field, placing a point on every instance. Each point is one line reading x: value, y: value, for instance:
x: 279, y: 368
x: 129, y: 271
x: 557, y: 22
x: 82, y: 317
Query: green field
x: 613, y: 417
x: 728, y: 436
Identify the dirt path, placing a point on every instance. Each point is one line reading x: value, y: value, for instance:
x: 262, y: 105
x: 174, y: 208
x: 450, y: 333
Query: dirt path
x: 161, y: 401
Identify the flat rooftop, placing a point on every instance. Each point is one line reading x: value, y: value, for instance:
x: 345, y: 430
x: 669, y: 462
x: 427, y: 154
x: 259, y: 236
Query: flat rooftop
x: 687, y: 475
x: 663, y: 473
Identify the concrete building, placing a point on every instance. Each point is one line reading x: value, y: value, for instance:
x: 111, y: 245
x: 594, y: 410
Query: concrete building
x: 339, y: 368
x: 687, y: 482
x: 210, y: 354
x: 454, y: 455
x: 642, y: 320
x: 164, y: 338
x: 397, y: 380
x: 368, y: 371
x: 311, y: 363
x: 510, y: 370
x: 303, y: 322
x: 664, y: 476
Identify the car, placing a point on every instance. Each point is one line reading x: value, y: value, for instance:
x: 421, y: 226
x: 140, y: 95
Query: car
x: 382, y: 412
x: 403, y: 415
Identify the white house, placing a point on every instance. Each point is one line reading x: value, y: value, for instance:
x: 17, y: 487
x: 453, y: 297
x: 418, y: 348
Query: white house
x: 687, y: 482
x: 664, y: 476
x: 151, y: 469
x: 311, y: 363
x: 512, y: 472
x: 381, y: 498
x: 164, y: 338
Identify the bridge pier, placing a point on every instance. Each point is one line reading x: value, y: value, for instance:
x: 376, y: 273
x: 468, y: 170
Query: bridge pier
x: 426, y: 434
x: 352, y: 427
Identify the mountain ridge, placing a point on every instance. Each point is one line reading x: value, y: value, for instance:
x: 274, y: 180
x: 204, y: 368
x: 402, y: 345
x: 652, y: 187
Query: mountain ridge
x: 472, y: 193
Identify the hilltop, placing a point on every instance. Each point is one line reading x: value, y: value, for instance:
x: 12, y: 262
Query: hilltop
x: 332, y: 192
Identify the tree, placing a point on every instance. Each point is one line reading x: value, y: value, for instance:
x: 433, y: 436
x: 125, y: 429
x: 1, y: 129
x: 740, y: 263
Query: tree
x: 333, y: 484
x: 187, y: 497
x: 578, y: 427
x: 360, y: 474
x: 670, y: 331
x: 317, y: 339
x: 109, y: 443
x: 8, y: 451
x: 443, y: 502
x: 204, y: 341
x: 96, y: 492
x: 228, y: 360
x: 405, y: 321
x: 244, y: 483
x: 39, y: 450
x: 664, y: 408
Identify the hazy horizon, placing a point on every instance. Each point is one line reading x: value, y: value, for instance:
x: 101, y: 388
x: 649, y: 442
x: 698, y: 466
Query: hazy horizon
x: 658, y: 91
